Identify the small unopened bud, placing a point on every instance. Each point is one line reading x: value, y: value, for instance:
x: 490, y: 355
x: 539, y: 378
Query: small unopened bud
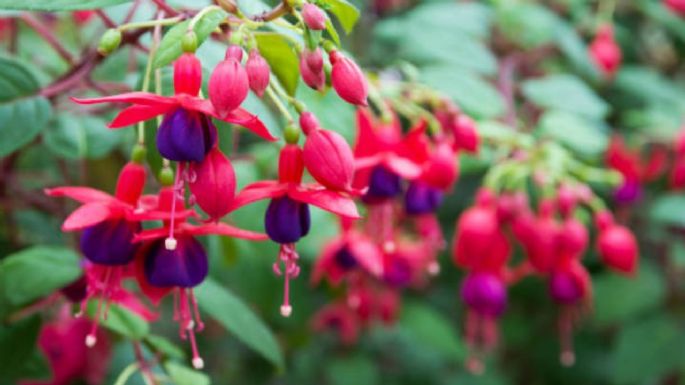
x: 314, y: 17
x: 166, y: 176
x: 291, y: 134
x: 189, y: 42
x: 258, y: 72
x: 235, y: 52
x: 138, y: 154
x: 348, y: 80
x: 109, y: 41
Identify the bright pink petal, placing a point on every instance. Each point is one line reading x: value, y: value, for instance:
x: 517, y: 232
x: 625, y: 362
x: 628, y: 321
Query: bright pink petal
x: 143, y: 98
x: 220, y: 228
x: 368, y: 255
x: 139, y: 113
x: 258, y: 191
x: 152, y: 234
x: 80, y: 194
x: 367, y: 162
x: 325, y: 199
x: 193, y: 103
x: 87, y: 215
x: 402, y: 166
x: 160, y: 215
x: 243, y: 118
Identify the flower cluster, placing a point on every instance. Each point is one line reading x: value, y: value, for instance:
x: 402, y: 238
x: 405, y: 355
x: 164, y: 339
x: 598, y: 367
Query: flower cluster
x: 401, y: 178
x: 152, y: 239
x: 554, y: 241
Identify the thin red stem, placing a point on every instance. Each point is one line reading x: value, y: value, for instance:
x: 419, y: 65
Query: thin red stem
x: 47, y: 35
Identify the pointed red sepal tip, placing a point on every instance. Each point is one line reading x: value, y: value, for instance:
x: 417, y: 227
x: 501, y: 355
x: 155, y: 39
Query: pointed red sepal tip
x: 130, y: 183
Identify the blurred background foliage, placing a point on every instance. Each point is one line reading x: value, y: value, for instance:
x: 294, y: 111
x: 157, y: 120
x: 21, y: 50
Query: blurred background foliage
x: 636, y: 332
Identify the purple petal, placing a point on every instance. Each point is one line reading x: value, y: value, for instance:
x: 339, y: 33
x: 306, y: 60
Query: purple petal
x: 286, y: 220
x: 564, y: 289
x: 383, y: 184
x: 484, y: 293
x: 421, y: 199
x: 185, y: 136
x: 109, y: 242
x: 185, y: 266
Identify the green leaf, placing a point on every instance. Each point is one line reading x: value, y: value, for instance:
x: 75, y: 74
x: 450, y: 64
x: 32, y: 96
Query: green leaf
x: 182, y: 375
x: 346, y: 13
x: 356, y: 369
x: 332, y: 32
x: 669, y: 210
x: 648, y: 350
x: 432, y: 329
x: 482, y: 99
x: 581, y: 134
x: 77, y: 137
x: 121, y: 320
x: 58, y: 5
x: 23, y: 115
x: 233, y: 314
x: 17, y: 344
x: 618, y: 298
x: 170, y: 46
x: 566, y: 93
x: 35, y: 367
x: 162, y: 345
x: 281, y: 57
x: 529, y: 25
x: 36, y: 272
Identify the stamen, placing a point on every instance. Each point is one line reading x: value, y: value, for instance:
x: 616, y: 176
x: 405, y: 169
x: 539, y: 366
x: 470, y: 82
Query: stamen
x: 105, y: 293
x: 196, y: 311
x: 567, y: 356
x: 170, y: 243
x: 189, y: 321
x: 288, y: 257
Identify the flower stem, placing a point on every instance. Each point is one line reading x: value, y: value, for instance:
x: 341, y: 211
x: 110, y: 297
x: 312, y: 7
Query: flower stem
x: 150, y: 23
x: 279, y: 104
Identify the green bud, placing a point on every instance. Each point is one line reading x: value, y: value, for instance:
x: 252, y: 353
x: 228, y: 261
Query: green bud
x: 236, y: 38
x: 166, y: 176
x: 109, y: 41
x: 291, y: 134
x: 189, y: 42
x: 139, y: 153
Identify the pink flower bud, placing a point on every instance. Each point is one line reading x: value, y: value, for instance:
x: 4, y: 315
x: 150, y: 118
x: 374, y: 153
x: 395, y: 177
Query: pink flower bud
x: 257, y: 72
x: 313, y: 75
x: 314, y: 59
x: 234, y: 52
x: 465, y: 134
x: 228, y: 86
x: 187, y: 74
x: 604, y: 51
x: 214, y: 183
x: 441, y: 170
x: 314, y: 17
x: 348, y: 80
x: 329, y: 159
x: 618, y: 248
x: 308, y: 122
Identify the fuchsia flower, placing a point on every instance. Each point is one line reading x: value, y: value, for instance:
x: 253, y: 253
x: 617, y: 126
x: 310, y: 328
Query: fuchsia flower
x: 61, y: 341
x: 351, y: 253
x: 604, y: 51
x: 381, y: 156
x: 187, y: 133
x: 341, y: 318
x: 109, y: 225
x: 287, y: 217
x: 213, y: 183
x: 171, y: 259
